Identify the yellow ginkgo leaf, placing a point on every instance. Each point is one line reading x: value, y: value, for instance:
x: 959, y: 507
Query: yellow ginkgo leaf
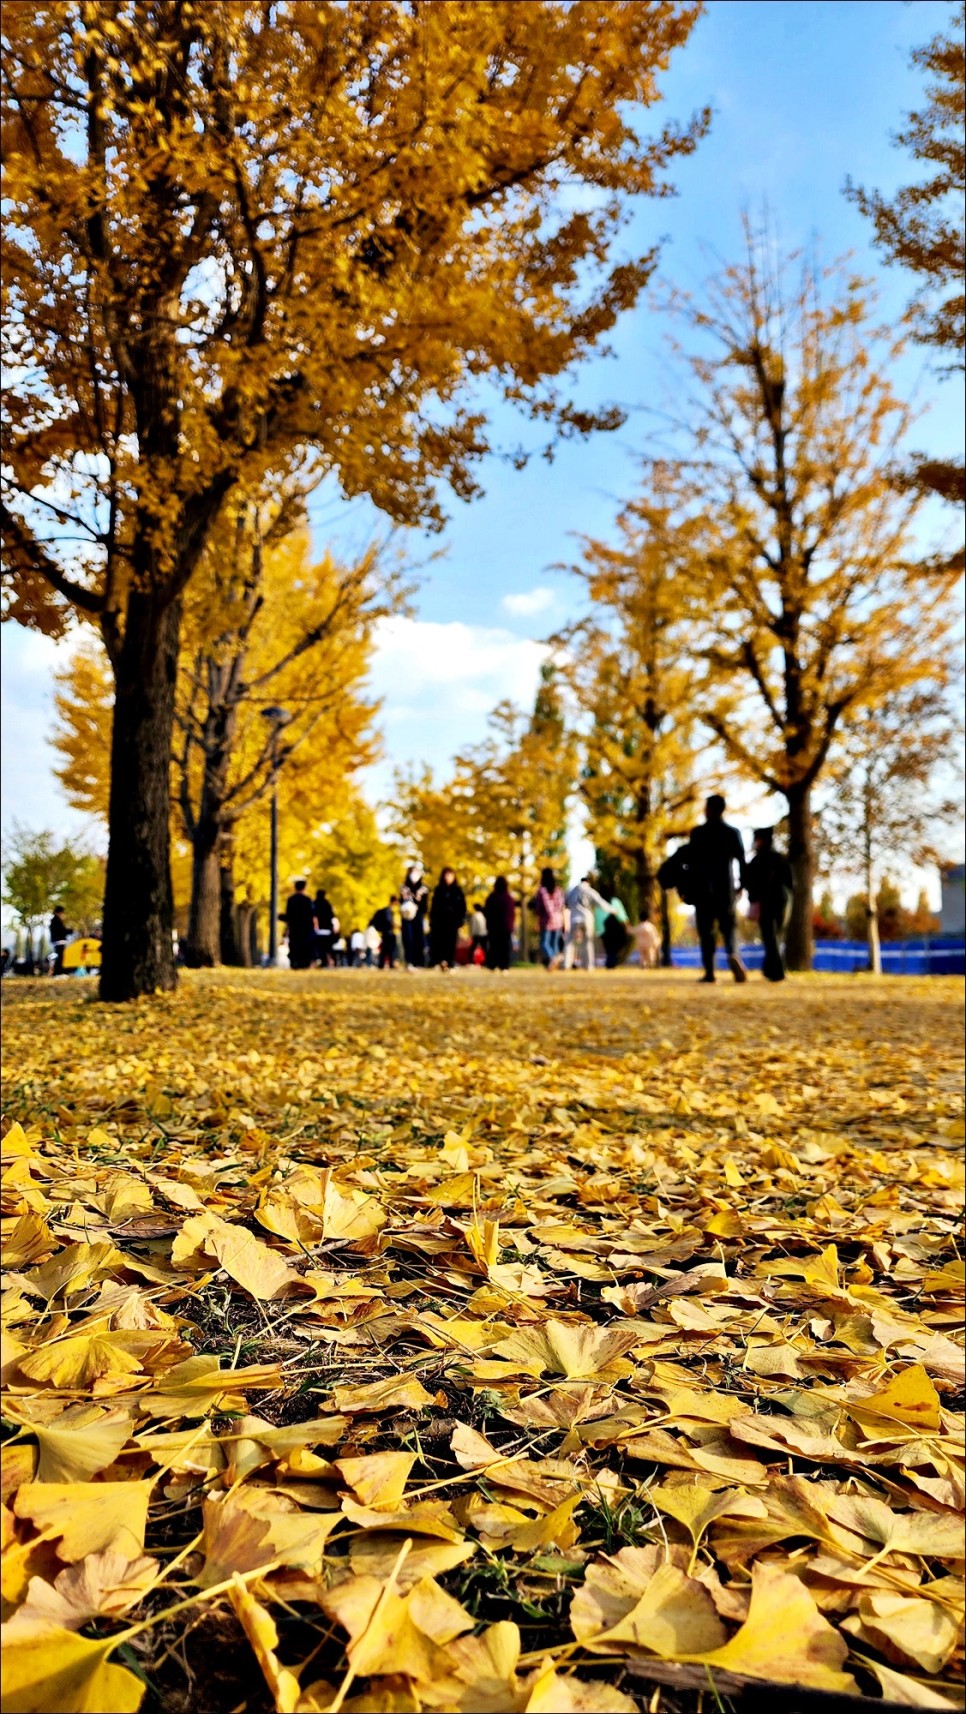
x: 784, y: 1638
x: 479, y: 1672
x: 192, y: 1387
x: 613, y: 1586
x: 674, y: 1617
x: 348, y: 1216
x: 88, y: 1516
x: 257, y: 1269
x: 396, y: 1392
x: 392, y: 1633
x: 696, y: 1505
x: 374, y: 1554
x: 929, y: 1534
x: 900, y: 1688
x: 379, y: 1479
x: 555, y: 1528
x: 909, y: 1397
x: 425, y: 1517
x: 80, y: 1442
x: 914, y: 1630
x: 557, y: 1693
x: 251, y: 1528
x: 83, y: 1359
x: 74, y: 1268
x: 53, y: 1671
x: 577, y: 1350
x: 259, y: 1628
x: 102, y: 1585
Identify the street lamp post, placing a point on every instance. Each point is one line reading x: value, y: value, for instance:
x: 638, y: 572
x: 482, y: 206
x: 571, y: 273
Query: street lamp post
x: 278, y: 717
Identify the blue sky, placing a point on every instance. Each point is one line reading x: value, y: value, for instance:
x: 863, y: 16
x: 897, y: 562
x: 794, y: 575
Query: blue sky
x: 804, y: 93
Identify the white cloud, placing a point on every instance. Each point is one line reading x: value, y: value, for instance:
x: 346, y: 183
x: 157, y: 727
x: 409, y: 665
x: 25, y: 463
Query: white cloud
x: 421, y: 666
x: 438, y: 682
x: 528, y: 602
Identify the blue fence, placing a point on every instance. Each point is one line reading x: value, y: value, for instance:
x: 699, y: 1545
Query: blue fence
x: 899, y: 957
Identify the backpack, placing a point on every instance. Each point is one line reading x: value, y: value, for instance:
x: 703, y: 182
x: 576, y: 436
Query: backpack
x: 676, y: 874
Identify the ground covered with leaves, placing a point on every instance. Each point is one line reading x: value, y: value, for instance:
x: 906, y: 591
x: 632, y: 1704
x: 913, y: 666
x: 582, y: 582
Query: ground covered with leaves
x: 457, y: 1343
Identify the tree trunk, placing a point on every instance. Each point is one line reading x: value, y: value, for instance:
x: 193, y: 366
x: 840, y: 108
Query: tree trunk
x: 524, y: 908
x: 230, y: 949
x: 800, y: 938
x: 138, y: 955
x: 245, y: 930
x: 872, y: 936
x: 203, y: 943
x: 872, y: 918
x: 644, y: 880
x: 666, y: 959
x: 210, y: 840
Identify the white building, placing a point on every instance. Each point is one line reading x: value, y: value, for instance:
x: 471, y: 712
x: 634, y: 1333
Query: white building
x: 952, y: 910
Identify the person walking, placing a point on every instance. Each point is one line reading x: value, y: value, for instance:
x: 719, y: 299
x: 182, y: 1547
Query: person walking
x: 59, y: 935
x: 327, y: 928
x: 300, y: 922
x: 500, y: 912
x: 447, y: 914
x: 548, y: 905
x: 768, y: 883
x: 714, y: 851
x: 384, y: 922
x: 357, y: 948
x: 613, y: 933
x: 478, y: 935
x: 413, y: 905
x: 580, y: 951
x: 648, y: 943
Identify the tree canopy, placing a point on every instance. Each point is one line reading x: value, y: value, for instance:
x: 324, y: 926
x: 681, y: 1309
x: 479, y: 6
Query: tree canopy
x: 245, y: 237
x: 812, y: 599
x: 922, y: 226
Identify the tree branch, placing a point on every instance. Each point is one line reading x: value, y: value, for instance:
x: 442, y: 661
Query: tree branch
x: 28, y: 549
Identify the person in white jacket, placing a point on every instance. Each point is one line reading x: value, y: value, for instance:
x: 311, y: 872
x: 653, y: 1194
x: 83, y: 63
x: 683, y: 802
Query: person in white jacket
x: 580, y: 950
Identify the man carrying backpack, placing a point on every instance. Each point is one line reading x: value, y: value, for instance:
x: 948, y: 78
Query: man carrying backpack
x: 704, y: 875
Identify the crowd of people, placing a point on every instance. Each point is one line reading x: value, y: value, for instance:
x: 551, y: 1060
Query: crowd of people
x: 421, y: 927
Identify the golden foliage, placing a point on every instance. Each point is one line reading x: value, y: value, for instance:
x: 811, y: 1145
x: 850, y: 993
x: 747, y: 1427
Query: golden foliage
x: 565, y: 1303
x: 634, y: 671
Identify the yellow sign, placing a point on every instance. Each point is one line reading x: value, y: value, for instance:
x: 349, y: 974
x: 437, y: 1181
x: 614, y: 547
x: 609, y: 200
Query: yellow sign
x: 82, y: 955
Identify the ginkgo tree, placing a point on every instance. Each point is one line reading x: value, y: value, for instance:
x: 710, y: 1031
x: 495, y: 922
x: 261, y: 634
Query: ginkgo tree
x: 633, y: 674
x: 263, y: 626
x: 247, y: 235
x: 295, y: 636
x: 922, y: 227
x: 891, y: 793
x: 813, y: 598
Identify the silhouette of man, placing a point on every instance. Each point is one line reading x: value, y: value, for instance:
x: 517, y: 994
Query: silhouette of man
x: 300, y: 920
x: 768, y: 880
x: 714, y: 849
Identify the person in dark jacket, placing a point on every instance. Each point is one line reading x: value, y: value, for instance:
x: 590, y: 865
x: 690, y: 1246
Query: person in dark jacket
x: 768, y: 880
x: 384, y: 922
x: 500, y: 912
x: 447, y: 914
x: 713, y: 851
x: 300, y: 922
x: 325, y: 929
x: 413, y: 905
x: 615, y: 936
x: 59, y: 935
